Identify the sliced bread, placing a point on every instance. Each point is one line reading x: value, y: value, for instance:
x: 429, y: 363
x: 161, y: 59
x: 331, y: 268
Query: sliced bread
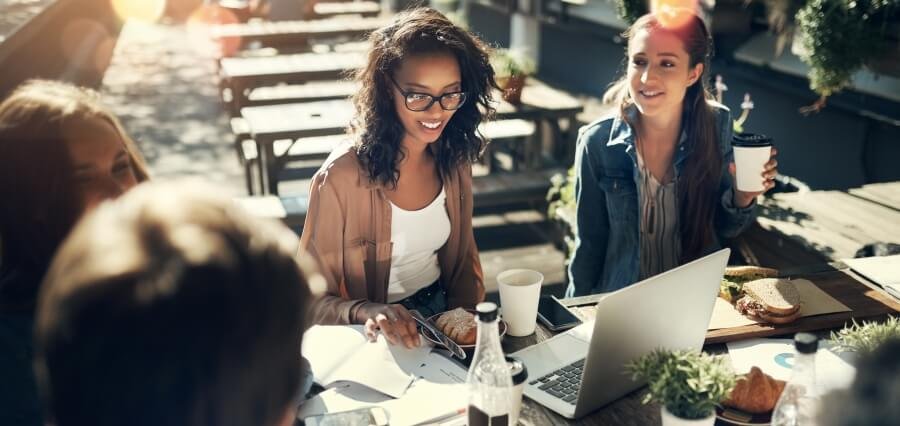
x: 778, y: 295
x: 750, y: 272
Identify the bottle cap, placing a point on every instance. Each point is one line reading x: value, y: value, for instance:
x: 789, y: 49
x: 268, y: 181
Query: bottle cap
x: 487, y: 311
x: 517, y: 370
x: 806, y: 343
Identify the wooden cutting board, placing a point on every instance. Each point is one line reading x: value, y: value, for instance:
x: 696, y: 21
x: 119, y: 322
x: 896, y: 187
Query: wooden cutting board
x: 864, y: 302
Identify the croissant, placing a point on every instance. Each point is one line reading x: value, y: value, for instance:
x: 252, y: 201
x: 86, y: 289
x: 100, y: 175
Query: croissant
x: 458, y: 325
x: 755, y: 392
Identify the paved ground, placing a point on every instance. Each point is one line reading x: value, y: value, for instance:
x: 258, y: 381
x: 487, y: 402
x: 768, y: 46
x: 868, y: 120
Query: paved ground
x: 164, y: 90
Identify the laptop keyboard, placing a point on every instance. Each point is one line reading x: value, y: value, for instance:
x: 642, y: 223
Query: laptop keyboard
x: 563, y: 383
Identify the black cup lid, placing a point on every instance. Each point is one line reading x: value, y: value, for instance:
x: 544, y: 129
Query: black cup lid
x: 517, y: 370
x: 487, y: 311
x: 751, y: 139
x: 806, y: 343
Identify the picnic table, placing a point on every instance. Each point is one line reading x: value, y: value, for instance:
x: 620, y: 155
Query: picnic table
x: 866, y: 300
x: 241, y: 74
x: 267, y: 124
x: 295, y: 34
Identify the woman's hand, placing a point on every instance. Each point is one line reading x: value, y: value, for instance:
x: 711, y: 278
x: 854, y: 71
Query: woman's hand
x: 394, y: 321
x: 743, y: 199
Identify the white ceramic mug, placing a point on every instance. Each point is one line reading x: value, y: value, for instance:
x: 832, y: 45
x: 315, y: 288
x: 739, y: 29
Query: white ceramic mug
x: 520, y: 290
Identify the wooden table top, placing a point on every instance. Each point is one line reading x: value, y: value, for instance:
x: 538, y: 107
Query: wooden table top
x: 851, y: 289
x: 296, y: 120
x: 365, y: 8
x: 310, y: 28
x: 539, y: 101
x: 287, y: 65
x: 292, y: 121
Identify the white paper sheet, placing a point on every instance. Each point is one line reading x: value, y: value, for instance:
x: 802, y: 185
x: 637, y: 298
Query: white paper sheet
x: 775, y: 357
x: 342, y: 353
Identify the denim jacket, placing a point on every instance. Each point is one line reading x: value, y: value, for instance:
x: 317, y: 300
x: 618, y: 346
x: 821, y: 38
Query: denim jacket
x: 607, y: 243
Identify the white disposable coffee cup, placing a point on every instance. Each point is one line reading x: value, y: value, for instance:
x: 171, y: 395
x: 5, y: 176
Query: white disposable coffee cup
x: 520, y: 290
x: 751, y: 153
x: 519, y: 375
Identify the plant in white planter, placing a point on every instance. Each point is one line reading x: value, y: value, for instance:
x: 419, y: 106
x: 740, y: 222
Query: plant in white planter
x: 688, y: 384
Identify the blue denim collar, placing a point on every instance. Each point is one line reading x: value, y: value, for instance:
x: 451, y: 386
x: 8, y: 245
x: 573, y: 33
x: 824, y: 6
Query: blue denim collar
x: 622, y: 133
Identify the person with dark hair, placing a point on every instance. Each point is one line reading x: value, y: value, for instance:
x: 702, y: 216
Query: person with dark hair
x: 61, y: 153
x: 390, y: 214
x: 654, y: 186
x: 169, y: 306
x: 872, y: 398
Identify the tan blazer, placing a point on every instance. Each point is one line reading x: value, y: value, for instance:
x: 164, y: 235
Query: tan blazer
x: 348, y: 232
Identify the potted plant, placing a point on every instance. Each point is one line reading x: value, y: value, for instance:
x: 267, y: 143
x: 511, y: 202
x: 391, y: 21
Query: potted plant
x: 511, y: 67
x: 863, y: 338
x: 838, y: 37
x: 687, y: 384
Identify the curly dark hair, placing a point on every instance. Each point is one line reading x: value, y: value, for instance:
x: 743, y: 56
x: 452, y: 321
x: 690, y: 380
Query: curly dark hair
x: 377, y: 128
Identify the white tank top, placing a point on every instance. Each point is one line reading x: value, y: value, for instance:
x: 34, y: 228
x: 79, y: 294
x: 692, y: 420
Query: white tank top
x: 416, y: 236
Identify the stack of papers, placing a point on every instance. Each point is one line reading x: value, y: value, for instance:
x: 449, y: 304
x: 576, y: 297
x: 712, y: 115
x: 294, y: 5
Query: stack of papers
x: 882, y: 270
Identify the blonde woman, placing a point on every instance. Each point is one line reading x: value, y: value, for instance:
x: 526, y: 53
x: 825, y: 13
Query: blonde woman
x: 61, y: 154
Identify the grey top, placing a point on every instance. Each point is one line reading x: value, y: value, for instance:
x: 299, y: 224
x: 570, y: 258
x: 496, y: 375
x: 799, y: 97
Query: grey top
x: 660, y: 238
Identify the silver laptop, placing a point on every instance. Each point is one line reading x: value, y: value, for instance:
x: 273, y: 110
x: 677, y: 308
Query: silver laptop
x: 582, y: 370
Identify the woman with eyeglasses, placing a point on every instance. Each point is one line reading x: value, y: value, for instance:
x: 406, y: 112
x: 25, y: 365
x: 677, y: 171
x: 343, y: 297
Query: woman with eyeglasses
x: 390, y: 214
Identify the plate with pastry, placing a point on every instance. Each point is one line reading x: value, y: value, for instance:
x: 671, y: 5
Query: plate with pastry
x: 459, y: 325
x: 752, y: 400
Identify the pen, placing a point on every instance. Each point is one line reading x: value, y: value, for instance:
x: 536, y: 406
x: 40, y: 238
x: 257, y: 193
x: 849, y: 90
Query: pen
x: 442, y: 417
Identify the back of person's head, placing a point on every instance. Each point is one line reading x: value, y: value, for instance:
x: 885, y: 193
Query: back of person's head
x: 420, y: 31
x: 874, y: 397
x: 168, y: 306
x: 42, y: 126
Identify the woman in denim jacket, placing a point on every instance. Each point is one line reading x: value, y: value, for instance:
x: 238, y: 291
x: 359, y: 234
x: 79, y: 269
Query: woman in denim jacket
x: 654, y: 182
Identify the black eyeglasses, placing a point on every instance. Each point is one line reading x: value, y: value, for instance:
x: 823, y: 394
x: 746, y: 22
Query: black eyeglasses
x: 416, y: 101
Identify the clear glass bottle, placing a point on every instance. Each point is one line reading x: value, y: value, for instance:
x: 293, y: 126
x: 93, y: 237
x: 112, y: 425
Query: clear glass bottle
x: 489, y: 381
x: 799, y: 403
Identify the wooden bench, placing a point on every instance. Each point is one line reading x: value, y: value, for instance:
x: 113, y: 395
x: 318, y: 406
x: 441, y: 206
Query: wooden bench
x: 510, y: 188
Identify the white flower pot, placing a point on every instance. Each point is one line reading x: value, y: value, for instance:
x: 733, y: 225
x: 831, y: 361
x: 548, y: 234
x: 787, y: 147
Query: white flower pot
x: 669, y: 419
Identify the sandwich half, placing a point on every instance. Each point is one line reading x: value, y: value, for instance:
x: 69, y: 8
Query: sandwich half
x: 772, y: 300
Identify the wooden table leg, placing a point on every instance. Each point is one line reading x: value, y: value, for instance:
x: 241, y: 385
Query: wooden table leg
x: 268, y: 171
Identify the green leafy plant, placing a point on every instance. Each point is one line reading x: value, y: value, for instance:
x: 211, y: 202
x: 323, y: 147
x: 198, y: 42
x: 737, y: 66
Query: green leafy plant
x: 561, y: 197
x: 839, y: 37
x: 865, y: 337
x: 510, y: 62
x: 631, y: 10
x: 688, y: 383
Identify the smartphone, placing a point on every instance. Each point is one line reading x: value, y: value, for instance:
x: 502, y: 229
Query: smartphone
x: 554, y: 315
x: 371, y: 416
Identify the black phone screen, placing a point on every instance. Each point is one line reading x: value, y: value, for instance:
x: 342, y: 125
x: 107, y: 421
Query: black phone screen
x: 555, y: 315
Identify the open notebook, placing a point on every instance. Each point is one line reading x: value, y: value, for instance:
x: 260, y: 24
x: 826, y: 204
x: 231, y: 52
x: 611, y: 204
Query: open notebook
x: 415, y: 386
